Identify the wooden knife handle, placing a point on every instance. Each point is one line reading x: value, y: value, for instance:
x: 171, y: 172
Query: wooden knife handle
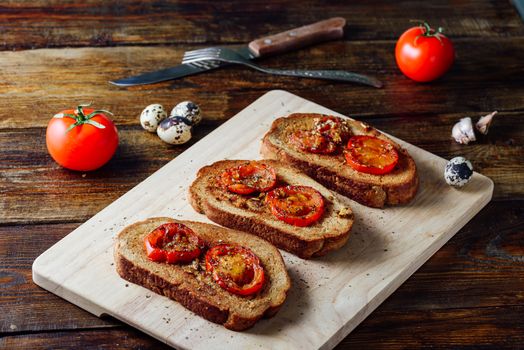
x: 328, y: 29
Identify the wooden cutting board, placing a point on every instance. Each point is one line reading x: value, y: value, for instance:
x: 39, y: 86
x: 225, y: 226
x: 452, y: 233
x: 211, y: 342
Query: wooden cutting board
x: 330, y: 296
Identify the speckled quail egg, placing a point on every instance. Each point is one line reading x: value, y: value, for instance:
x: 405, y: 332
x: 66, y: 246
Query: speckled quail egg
x: 174, y: 130
x: 458, y: 171
x: 189, y: 110
x: 151, y: 116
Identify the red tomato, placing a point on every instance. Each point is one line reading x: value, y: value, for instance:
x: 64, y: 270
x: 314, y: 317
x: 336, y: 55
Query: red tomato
x: 248, y: 178
x: 85, y: 146
x: 424, y: 54
x: 236, y: 269
x: 296, y: 205
x: 172, y: 243
x: 369, y: 154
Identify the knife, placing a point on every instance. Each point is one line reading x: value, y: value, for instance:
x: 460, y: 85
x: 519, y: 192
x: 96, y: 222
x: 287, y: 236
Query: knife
x: 293, y: 39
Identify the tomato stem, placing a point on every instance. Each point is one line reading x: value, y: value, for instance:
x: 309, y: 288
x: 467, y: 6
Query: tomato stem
x: 72, y: 126
x: 428, y: 32
x: 81, y: 118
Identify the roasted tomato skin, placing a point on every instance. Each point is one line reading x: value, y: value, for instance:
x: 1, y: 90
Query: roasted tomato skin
x: 172, y: 243
x: 235, y: 268
x: 248, y: 178
x: 296, y: 205
x: 421, y: 57
x: 312, y: 142
x: 371, y: 155
x: 85, y: 147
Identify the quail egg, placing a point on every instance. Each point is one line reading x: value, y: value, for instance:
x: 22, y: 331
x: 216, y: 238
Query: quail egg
x: 189, y: 110
x: 458, y: 171
x: 174, y: 130
x: 151, y: 116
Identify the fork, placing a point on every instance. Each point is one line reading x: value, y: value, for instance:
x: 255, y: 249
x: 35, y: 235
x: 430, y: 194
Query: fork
x: 212, y: 56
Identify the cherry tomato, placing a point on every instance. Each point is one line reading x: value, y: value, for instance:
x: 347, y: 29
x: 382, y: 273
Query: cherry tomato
x: 312, y: 142
x: 248, y: 178
x: 369, y: 154
x: 81, y: 139
x: 172, y: 243
x: 296, y: 205
x: 236, y: 269
x: 424, y: 54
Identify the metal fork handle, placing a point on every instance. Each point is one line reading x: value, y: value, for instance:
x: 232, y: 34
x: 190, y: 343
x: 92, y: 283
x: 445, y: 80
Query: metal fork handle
x: 208, y: 60
x: 337, y: 75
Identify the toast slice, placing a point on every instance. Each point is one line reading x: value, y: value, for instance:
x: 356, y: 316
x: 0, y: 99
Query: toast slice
x: 397, y: 187
x: 250, y: 213
x: 191, y: 286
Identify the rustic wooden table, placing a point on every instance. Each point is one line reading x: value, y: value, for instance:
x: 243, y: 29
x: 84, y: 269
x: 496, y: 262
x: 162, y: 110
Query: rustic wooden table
x: 56, y: 54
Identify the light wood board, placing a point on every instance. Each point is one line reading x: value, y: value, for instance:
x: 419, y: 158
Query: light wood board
x: 330, y: 296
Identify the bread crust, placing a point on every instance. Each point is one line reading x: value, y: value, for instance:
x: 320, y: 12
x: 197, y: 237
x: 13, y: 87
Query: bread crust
x: 303, y: 242
x: 370, y: 190
x: 195, y: 290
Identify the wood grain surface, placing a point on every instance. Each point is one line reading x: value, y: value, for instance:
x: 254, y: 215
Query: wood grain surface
x: 468, y: 295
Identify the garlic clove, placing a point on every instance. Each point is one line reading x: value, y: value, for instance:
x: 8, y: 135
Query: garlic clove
x: 463, y: 131
x: 484, y: 123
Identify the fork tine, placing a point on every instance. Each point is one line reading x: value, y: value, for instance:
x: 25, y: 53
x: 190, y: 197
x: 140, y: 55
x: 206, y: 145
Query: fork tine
x: 201, y: 55
x: 204, y: 64
x: 210, y: 55
x: 200, y: 52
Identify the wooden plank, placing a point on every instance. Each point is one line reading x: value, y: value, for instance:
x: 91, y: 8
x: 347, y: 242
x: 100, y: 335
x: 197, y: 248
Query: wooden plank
x: 150, y: 22
x: 39, y: 83
x: 386, y: 248
x: 492, y: 327
x: 480, y: 267
x: 497, y: 328
x: 32, y: 308
x: 29, y: 177
x: 100, y: 339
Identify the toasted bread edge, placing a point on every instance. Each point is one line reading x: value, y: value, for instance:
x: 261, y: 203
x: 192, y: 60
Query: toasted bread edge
x: 376, y: 196
x: 189, y: 298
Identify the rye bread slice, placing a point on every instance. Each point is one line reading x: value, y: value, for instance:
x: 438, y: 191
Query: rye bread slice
x: 250, y: 213
x: 398, y: 187
x: 191, y: 286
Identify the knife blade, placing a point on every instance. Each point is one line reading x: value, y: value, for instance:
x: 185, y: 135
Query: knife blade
x: 180, y: 71
x: 293, y: 39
